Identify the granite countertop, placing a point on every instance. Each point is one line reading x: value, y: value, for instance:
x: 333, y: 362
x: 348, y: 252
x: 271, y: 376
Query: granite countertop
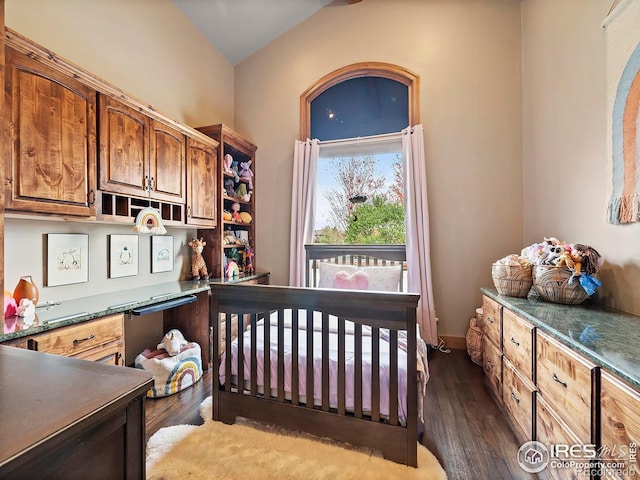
x: 69, y: 312
x: 609, y: 338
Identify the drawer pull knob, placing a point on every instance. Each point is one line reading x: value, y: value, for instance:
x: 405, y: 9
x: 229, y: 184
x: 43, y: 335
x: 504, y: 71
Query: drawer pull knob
x: 556, y: 379
x: 513, y: 395
x: 489, y: 319
x: 80, y: 340
x: 513, y: 340
x: 489, y: 364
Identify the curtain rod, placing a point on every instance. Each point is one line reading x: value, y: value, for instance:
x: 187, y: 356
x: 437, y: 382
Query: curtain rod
x: 360, y: 140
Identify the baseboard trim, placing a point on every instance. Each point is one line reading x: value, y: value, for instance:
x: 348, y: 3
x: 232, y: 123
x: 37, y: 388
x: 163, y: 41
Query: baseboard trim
x: 455, y: 343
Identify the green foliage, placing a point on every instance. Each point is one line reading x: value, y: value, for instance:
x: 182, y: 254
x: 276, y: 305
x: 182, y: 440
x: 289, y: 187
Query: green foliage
x: 329, y: 235
x: 378, y: 221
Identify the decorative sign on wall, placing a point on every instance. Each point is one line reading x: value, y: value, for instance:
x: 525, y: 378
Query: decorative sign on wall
x: 622, y: 28
x: 123, y: 255
x: 161, y: 253
x: 67, y: 259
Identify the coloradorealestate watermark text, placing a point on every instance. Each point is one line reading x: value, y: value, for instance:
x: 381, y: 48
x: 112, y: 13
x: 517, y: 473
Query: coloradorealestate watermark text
x: 586, y: 460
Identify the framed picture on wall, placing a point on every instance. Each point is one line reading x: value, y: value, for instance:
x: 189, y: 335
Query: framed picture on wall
x: 123, y: 256
x: 161, y: 253
x: 66, y: 259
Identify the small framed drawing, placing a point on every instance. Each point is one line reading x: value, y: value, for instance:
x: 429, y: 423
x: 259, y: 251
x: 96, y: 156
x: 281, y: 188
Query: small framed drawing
x: 123, y: 255
x: 67, y: 259
x: 161, y: 253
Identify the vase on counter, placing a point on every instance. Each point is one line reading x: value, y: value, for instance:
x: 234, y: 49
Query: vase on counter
x: 26, y: 288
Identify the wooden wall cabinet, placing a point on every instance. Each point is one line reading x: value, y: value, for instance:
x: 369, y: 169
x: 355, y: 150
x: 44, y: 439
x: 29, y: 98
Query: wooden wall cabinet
x: 218, y: 250
x: 53, y: 136
x: 202, y: 183
x: 139, y: 155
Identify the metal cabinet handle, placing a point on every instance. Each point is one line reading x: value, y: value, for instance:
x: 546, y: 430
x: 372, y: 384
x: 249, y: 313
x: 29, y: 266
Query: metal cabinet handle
x: 556, y: 379
x: 80, y: 340
x: 92, y: 197
x: 516, y: 343
x: 153, y: 184
x: 513, y: 395
x: 489, y: 319
x: 146, y: 183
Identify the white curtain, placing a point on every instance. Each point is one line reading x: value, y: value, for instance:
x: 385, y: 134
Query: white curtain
x: 417, y: 231
x: 303, y: 201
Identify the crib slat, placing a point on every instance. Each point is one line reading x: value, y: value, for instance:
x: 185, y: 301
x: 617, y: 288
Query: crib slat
x: 375, y: 374
x: 309, y: 377
x: 240, y: 330
x: 227, y: 348
x: 254, y: 356
x: 267, y: 357
x: 295, y: 383
x: 341, y: 368
x: 357, y: 394
x: 393, y: 378
x: 325, y: 362
x: 280, y: 355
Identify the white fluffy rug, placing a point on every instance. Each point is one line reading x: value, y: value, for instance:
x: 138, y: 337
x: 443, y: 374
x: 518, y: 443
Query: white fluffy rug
x: 215, y: 450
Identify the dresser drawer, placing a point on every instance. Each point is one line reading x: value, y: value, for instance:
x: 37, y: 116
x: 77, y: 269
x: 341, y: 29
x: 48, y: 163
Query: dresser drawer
x: 492, y: 365
x: 517, y: 342
x: 620, y: 423
x: 517, y: 396
x: 491, y: 320
x: 76, y: 339
x: 551, y: 430
x: 564, y: 380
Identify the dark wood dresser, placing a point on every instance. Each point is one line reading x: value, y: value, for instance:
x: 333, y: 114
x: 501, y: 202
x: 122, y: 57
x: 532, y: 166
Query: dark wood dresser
x: 69, y: 418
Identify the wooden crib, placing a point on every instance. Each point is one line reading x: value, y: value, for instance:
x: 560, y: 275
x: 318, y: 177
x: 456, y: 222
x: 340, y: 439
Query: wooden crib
x: 367, y: 339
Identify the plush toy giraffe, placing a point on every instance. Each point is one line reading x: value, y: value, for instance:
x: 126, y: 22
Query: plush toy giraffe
x: 198, y: 265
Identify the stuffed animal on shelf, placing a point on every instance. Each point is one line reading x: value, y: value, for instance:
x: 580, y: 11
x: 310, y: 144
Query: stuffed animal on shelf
x: 248, y: 260
x: 242, y: 193
x: 231, y: 270
x: 198, y: 265
x: 227, y: 165
x: 229, y: 187
x: 245, y: 173
x: 235, y: 212
x: 226, y: 215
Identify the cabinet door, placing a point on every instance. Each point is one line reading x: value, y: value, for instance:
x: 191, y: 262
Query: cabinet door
x: 53, y: 135
x: 124, y: 149
x: 201, y: 183
x: 167, y: 147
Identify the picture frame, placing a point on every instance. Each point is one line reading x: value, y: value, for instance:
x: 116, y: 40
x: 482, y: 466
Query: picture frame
x: 161, y: 253
x: 123, y: 256
x: 66, y: 259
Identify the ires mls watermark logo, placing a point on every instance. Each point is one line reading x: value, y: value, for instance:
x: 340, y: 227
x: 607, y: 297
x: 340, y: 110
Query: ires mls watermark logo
x: 586, y: 460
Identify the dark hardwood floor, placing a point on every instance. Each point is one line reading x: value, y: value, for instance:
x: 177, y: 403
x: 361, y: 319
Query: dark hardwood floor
x: 465, y: 428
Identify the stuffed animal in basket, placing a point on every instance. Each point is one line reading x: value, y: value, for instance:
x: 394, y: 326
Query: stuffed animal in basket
x: 198, y: 265
x: 172, y: 342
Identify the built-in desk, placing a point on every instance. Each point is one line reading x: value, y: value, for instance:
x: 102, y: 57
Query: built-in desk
x: 68, y: 418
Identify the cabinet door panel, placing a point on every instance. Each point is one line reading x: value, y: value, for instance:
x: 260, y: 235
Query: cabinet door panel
x: 517, y: 397
x: 167, y: 163
x: 124, y: 148
x: 491, y: 321
x: 54, y: 140
x: 517, y: 342
x: 202, y: 185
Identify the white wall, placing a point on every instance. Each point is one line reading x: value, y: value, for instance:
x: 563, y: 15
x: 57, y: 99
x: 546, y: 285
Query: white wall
x: 468, y: 57
x: 564, y: 141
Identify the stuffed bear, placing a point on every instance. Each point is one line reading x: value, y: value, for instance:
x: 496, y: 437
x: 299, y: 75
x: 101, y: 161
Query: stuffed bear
x: 245, y: 173
x: 198, y: 265
x: 228, y: 187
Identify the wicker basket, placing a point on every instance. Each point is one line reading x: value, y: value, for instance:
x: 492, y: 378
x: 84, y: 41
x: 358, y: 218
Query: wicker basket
x: 552, y: 283
x: 511, y: 280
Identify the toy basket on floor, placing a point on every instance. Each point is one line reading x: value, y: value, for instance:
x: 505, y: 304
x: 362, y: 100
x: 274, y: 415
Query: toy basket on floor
x: 552, y: 284
x: 512, y: 280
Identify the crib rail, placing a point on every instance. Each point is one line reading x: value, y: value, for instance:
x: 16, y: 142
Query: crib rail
x: 307, y: 407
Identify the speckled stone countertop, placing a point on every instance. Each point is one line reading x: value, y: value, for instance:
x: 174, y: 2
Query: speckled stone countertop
x: 69, y: 312
x: 609, y: 338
